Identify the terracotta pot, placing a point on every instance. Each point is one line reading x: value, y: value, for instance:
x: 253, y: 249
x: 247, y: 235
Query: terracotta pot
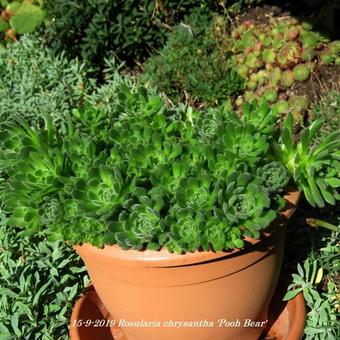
x: 286, y: 318
x: 220, y: 295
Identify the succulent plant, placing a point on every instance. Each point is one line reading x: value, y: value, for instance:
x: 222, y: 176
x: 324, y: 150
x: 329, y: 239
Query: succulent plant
x: 293, y: 32
x: 282, y: 106
x: 298, y: 106
x: 136, y: 229
x: 310, y: 39
x: 261, y: 76
x: 251, y: 85
x: 307, y: 54
x: 301, y: 72
x: 298, y: 103
x: 264, y: 38
x: 242, y: 70
x: 181, y: 179
x: 186, y: 227
x: 315, y: 168
x: 307, y: 25
x: 246, y: 41
x: 216, y: 235
x: 275, y: 176
x: 274, y: 76
x: 20, y: 17
x: 270, y: 95
x: 197, y: 193
x: 269, y: 55
x: 242, y: 141
x: 287, y: 78
x: 249, y: 96
x: 245, y: 203
x: 253, y: 61
x: 277, y: 42
x: 289, y: 55
x: 260, y: 115
x: 101, y: 194
x: 334, y: 47
x: 327, y: 58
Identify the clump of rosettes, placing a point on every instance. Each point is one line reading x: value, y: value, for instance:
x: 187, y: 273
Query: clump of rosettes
x: 327, y: 58
x: 270, y: 95
x: 301, y: 72
x: 287, y: 78
x: 269, y: 55
x: 274, y: 175
x: 307, y: 54
x: 289, y: 55
x: 298, y: 106
x: 282, y: 106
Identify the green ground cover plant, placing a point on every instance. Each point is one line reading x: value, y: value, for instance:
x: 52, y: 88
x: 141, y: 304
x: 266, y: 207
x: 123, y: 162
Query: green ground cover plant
x: 195, y: 65
x: 39, y: 281
x: 130, y: 30
x: 34, y: 82
x: 177, y: 180
x: 94, y: 30
x: 318, y: 279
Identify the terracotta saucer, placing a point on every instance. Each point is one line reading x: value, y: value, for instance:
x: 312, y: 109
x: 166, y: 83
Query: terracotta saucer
x: 286, y: 319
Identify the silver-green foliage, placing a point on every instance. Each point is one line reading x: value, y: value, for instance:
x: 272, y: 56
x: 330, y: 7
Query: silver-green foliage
x: 39, y: 282
x: 34, y: 82
x: 323, y: 302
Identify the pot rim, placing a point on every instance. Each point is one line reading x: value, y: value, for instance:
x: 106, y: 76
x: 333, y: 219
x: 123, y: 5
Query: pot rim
x: 163, y: 258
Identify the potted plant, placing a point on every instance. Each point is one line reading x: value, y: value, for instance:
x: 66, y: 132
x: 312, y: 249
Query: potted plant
x: 178, y: 215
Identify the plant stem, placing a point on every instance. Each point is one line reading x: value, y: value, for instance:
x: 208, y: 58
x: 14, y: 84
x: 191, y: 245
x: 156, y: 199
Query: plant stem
x: 314, y: 222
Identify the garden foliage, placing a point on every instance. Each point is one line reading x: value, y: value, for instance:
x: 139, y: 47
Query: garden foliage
x: 93, y: 30
x: 195, y: 63
x: 327, y: 107
x: 39, y: 282
x: 34, y: 82
x: 181, y: 179
x: 131, y: 30
x: 321, y: 266
x: 315, y: 168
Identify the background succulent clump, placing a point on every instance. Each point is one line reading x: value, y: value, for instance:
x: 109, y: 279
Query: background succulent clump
x: 274, y: 57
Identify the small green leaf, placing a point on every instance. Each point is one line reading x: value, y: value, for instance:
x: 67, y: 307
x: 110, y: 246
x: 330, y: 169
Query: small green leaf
x: 15, y: 323
x: 333, y: 182
x: 316, y: 193
x: 291, y: 294
x: 73, y: 292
